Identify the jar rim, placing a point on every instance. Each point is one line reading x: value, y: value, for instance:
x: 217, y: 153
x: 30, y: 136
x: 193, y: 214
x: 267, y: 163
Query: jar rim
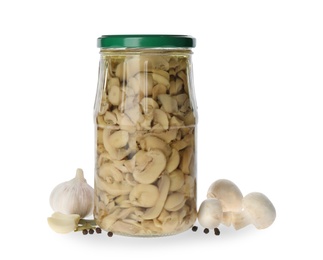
x: 146, y: 41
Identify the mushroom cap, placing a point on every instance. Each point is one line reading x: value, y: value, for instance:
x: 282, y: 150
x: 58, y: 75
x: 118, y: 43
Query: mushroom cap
x: 260, y: 210
x: 210, y: 213
x: 227, y: 193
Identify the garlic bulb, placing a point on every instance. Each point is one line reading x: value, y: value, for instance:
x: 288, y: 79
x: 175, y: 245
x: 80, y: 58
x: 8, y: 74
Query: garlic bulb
x: 73, y: 197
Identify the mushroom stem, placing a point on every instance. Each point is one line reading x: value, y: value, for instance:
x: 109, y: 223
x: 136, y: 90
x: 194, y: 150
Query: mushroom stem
x: 227, y: 219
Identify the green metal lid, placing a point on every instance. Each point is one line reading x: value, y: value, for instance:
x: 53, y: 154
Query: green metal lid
x: 146, y: 41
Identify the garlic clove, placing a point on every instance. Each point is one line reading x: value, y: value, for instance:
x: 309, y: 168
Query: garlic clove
x: 73, y: 197
x: 63, y: 223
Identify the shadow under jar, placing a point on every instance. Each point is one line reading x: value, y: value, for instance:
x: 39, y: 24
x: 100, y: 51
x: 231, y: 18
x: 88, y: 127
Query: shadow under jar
x: 145, y: 124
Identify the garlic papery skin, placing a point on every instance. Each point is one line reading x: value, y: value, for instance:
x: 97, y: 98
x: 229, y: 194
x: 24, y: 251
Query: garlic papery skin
x: 63, y: 223
x: 73, y: 197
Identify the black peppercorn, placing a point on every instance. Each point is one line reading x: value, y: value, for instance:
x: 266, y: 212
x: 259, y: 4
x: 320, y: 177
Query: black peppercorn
x: 84, y: 231
x: 206, y: 230
x: 110, y: 234
x: 98, y: 230
x: 194, y: 228
x: 216, y: 231
x: 91, y: 231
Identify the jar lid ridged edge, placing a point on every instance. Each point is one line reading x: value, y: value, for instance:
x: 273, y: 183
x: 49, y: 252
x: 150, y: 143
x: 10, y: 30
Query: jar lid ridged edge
x: 146, y: 41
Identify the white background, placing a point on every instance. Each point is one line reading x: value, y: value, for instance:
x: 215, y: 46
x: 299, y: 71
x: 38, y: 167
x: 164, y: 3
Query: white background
x: 258, y: 72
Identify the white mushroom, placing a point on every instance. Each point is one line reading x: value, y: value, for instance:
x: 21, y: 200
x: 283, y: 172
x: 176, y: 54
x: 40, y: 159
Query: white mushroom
x: 210, y: 213
x: 227, y: 193
x: 258, y: 210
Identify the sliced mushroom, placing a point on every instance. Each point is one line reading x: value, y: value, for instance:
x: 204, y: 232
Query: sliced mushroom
x: 169, y: 104
x: 99, y: 136
x: 176, y: 87
x: 148, y: 105
x: 100, y: 121
x: 119, y: 139
x: 114, y: 153
x: 182, y: 65
x: 167, y: 136
x: 187, y: 157
x: 115, y: 188
x: 171, y: 223
x: 157, y: 90
x: 160, y: 79
x: 124, y: 122
x: 176, y: 122
x: 114, y: 95
x: 113, y: 81
x: 158, y: 62
x: 173, y: 161
x: 174, y: 201
x: 155, y: 166
x: 189, y: 119
x: 162, y: 73
x: 181, y: 99
x: 110, y: 118
x: 160, y: 117
x: 144, y: 195
x: 120, y: 71
x: 145, y: 81
x: 130, y: 179
x: 151, y: 142
x: 110, y: 173
x: 134, y: 114
x: 104, y: 108
x: 163, y: 188
x: 183, y: 77
x: 189, y: 187
x: 176, y: 180
x: 124, y: 227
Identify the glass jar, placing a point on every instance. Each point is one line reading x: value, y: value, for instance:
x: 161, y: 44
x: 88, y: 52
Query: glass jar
x: 145, y: 124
